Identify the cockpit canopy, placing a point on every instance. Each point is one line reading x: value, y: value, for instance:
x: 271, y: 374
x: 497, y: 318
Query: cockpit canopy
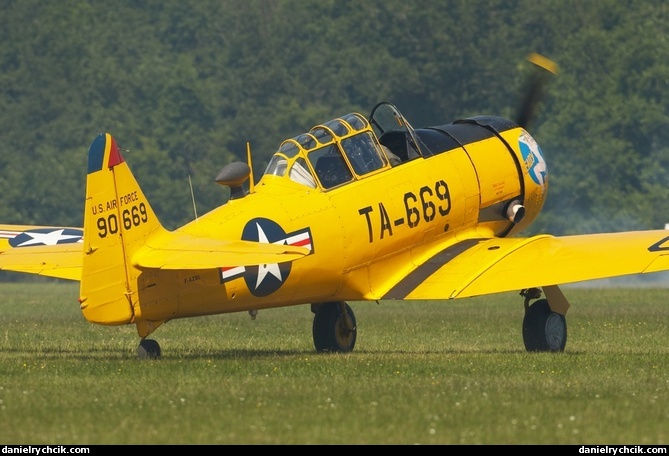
x: 331, y: 154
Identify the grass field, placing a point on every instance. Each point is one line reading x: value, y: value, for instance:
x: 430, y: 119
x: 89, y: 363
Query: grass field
x: 451, y: 372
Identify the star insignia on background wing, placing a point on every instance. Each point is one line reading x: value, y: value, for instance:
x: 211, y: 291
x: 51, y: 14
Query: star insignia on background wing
x: 50, y: 238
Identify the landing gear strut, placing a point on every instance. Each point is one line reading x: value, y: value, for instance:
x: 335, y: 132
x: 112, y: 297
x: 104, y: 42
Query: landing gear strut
x: 543, y: 329
x: 334, y: 327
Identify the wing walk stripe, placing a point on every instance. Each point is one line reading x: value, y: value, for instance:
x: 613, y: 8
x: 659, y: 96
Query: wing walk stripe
x: 422, y: 272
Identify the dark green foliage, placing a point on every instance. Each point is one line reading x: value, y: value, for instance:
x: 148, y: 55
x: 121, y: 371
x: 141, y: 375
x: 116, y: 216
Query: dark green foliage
x: 184, y: 85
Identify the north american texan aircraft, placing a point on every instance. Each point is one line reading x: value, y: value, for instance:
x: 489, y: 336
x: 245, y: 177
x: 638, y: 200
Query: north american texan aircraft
x: 355, y: 209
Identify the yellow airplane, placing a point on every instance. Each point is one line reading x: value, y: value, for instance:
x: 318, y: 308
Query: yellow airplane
x: 356, y: 209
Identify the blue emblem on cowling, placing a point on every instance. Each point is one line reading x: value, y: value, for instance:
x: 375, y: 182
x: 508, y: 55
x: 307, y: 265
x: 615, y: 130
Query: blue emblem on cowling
x: 533, y: 159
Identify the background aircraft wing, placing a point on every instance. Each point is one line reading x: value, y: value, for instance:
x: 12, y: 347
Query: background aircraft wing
x: 484, y: 266
x: 60, y: 261
x: 43, y: 250
x: 175, y: 250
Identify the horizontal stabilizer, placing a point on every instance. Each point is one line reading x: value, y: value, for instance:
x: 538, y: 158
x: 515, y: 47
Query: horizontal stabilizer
x: 174, y: 250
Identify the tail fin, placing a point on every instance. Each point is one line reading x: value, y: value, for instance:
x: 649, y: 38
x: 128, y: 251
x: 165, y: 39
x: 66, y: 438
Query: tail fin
x: 117, y: 221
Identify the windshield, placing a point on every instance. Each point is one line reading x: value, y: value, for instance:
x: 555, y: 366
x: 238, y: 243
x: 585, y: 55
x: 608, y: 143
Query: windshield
x: 394, y: 132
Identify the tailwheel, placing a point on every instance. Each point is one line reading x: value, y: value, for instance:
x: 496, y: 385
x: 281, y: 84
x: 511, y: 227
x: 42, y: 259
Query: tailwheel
x: 334, y: 327
x: 148, y: 349
x: 543, y: 329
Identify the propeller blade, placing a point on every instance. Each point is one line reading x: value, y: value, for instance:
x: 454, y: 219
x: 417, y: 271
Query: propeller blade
x: 545, y: 68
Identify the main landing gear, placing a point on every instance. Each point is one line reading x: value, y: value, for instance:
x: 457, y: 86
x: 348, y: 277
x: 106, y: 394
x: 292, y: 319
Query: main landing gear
x: 543, y: 329
x: 334, y: 327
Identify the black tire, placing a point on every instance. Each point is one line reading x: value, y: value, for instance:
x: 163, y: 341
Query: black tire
x: 543, y: 329
x: 330, y: 331
x: 148, y: 349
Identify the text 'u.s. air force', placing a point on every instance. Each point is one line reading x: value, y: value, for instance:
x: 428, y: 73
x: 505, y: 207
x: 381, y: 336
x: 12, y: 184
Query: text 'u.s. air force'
x: 132, y: 212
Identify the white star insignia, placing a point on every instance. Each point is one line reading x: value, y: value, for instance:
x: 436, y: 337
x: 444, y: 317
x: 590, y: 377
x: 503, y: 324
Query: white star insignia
x: 265, y: 269
x: 51, y: 238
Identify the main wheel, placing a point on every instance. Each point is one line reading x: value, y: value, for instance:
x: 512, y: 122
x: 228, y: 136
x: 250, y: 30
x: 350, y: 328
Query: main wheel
x: 543, y: 329
x: 333, y: 330
x: 148, y: 349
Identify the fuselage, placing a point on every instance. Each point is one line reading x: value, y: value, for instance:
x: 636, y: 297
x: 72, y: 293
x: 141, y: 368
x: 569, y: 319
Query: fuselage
x: 366, y: 231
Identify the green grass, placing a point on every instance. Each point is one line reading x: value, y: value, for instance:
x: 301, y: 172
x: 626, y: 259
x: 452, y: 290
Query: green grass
x: 451, y: 372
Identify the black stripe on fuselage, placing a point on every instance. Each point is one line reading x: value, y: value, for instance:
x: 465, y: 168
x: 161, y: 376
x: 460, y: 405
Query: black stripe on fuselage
x: 422, y: 272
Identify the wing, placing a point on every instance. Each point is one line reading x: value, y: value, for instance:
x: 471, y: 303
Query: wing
x: 42, y: 250
x: 176, y: 250
x: 484, y: 266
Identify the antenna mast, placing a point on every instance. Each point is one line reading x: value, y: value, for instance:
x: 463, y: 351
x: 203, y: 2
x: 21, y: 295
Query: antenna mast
x: 248, y: 159
x: 192, y: 195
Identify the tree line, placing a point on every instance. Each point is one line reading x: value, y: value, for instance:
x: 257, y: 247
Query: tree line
x: 184, y: 85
